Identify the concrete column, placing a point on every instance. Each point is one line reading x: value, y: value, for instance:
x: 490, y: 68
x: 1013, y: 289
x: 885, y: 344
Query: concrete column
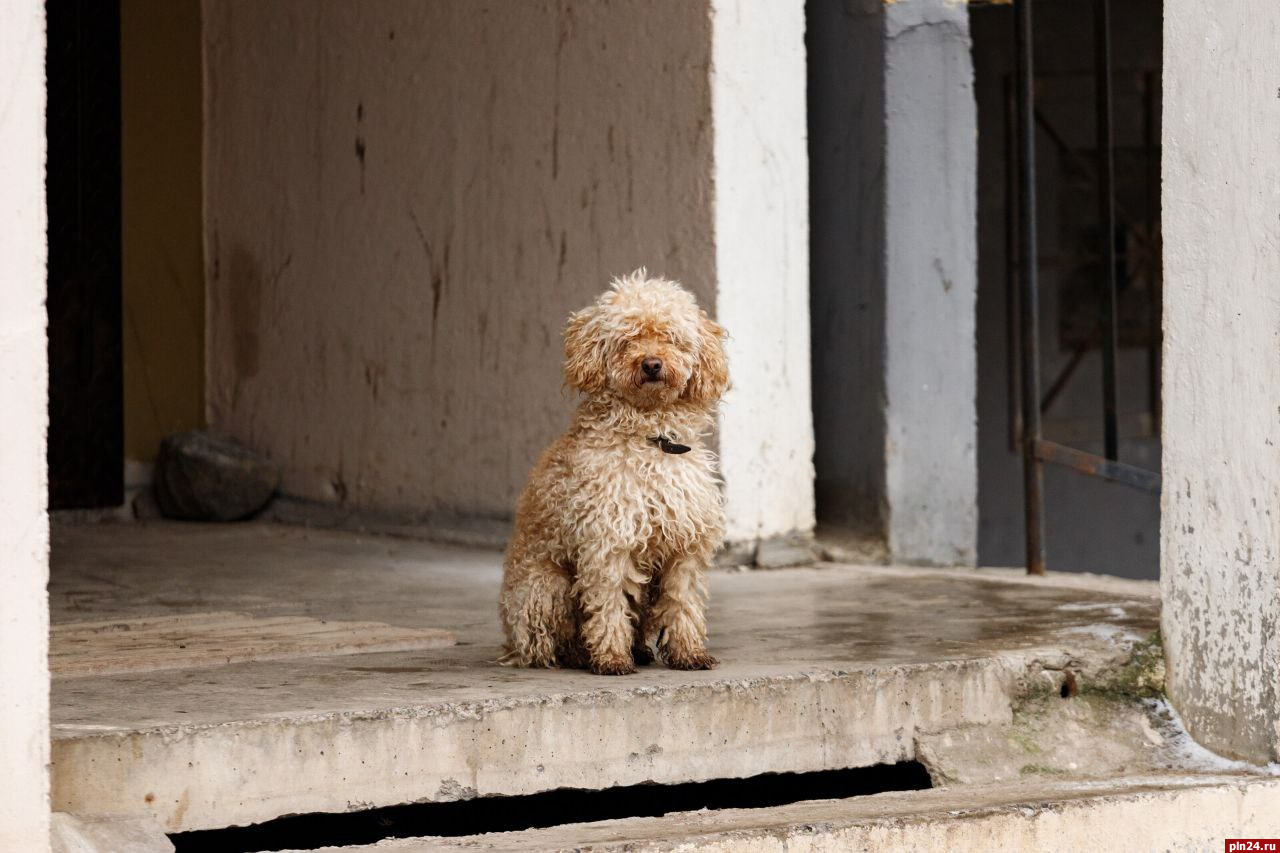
x: 1220, y: 531
x: 762, y: 265
x: 893, y: 141
x: 24, y: 528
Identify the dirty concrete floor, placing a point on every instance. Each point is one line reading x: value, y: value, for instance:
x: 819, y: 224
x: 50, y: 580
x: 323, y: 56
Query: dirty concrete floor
x: 762, y: 623
x: 821, y: 668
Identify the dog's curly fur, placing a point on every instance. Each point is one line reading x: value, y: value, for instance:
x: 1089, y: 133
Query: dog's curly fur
x: 612, y: 534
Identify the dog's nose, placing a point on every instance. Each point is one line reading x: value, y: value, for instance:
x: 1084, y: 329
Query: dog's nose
x: 651, y: 367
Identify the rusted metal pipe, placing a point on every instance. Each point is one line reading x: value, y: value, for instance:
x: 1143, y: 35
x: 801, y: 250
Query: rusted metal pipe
x: 1032, y: 477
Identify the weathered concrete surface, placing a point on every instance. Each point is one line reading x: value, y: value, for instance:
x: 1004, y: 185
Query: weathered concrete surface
x: 1220, y: 531
x: 1190, y: 813
x: 110, y: 834
x: 24, y: 529
x: 894, y: 304
x: 762, y: 265
x: 821, y: 668
x: 190, y: 640
x: 403, y: 204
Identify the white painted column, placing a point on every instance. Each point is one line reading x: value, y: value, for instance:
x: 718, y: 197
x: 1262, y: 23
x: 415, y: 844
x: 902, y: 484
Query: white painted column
x: 894, y: 142
x: 931, y: 283
x: 24, y: 528
x: 1220, y: 536
x: 762, y: 265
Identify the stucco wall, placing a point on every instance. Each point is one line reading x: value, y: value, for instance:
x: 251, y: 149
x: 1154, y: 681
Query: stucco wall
x: 762, y: 265
x: 403, y: 201
x: 1220, y: 531
x: 24, y: 528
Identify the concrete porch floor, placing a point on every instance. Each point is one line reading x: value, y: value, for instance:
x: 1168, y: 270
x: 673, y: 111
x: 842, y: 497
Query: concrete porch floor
x: 826, y: 667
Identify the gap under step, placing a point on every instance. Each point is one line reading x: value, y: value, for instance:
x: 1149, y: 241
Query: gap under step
x: 552, y: 808
x: 1176, y: 812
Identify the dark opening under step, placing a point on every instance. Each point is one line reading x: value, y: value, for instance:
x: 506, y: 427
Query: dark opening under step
x: 552, y: 808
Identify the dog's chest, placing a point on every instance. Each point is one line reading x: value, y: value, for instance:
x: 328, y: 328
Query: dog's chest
x: 661, y: 502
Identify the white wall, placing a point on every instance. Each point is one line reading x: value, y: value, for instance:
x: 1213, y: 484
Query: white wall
x: 24, y: 528
x: 1220, y: 554
x: 762, y: 264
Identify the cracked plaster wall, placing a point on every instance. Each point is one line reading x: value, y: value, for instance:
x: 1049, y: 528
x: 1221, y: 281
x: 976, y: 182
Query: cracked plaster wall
x: 404, y: 200
x: 1220, y: 554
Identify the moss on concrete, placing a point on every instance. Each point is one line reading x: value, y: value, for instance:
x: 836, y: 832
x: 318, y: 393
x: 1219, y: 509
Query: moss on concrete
x: 1141, y: 676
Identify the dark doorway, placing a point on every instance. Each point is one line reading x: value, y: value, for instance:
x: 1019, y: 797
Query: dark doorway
x: 1090, y: 524
x: 86, y: 427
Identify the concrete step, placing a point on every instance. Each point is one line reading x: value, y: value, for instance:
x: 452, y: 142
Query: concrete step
x: 823, y: 668
x: 1174, y: 812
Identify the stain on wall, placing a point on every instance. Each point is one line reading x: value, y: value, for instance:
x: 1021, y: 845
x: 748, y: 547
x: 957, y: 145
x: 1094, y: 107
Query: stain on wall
x: 404, y: 201
x: 162, y: 264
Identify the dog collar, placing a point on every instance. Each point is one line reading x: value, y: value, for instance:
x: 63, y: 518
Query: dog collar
x: 669, y: 445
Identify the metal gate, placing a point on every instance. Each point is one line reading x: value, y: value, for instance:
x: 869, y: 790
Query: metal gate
x: 1036, y: 450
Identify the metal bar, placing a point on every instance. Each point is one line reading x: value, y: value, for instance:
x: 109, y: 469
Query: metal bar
x: 1106, y: 221
x: 1032, y: 476
x: 1057, y: 386
x: 1097, y: 466
x: 1151, y: 141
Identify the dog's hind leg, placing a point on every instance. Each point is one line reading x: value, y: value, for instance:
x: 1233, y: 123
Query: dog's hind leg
x: 539, y: 616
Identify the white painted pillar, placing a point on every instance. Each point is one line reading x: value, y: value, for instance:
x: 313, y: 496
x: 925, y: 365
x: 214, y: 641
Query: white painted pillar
x: 24, y: 528
x: 895, y: 285
x: 931, y: 286
x: 761, y: 183
x: 1220, y: 529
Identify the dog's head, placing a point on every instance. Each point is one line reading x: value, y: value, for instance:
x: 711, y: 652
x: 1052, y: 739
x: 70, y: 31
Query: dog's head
x: 646, y: 341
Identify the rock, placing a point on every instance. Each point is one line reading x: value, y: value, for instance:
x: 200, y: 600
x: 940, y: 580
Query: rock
x: 205, y: 477
x: 783, y: 551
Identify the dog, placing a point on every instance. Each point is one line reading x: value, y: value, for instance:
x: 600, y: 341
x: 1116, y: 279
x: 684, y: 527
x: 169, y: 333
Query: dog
x: 622, y: 514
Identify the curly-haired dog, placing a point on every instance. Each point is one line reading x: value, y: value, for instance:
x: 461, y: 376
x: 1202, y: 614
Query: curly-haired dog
x: 622, y: 514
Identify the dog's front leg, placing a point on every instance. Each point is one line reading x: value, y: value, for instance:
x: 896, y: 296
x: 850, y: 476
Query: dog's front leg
x: 605, y: 586
x: 679, y: 615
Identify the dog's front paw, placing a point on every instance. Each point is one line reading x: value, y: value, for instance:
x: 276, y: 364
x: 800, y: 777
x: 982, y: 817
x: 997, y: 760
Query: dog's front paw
x: 613, y: 666
x: 697, y: 659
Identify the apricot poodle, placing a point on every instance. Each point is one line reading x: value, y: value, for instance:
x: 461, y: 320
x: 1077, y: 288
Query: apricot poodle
x: 622, y: 514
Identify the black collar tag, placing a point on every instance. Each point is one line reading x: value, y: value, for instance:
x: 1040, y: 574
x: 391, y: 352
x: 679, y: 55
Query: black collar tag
x: 669, y: 446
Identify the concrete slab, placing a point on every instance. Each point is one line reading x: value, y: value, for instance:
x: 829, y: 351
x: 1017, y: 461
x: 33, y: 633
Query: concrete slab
x: 189, y: 640
x: 1146, y: 813
x: 823, y: 668
x: 106, y: 834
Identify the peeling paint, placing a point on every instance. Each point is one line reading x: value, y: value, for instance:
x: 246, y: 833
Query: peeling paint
x: 1221, y: 382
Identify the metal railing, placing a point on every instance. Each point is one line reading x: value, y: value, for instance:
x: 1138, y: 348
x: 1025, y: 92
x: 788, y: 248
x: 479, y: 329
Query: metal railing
x: 1036, y: 450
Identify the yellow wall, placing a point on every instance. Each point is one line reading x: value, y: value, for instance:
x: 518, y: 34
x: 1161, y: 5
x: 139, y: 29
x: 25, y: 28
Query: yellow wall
x: 162, y: 97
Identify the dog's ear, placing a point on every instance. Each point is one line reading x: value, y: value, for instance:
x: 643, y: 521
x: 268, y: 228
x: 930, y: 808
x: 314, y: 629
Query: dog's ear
x: 584, y: 351
x: 710, y: 377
